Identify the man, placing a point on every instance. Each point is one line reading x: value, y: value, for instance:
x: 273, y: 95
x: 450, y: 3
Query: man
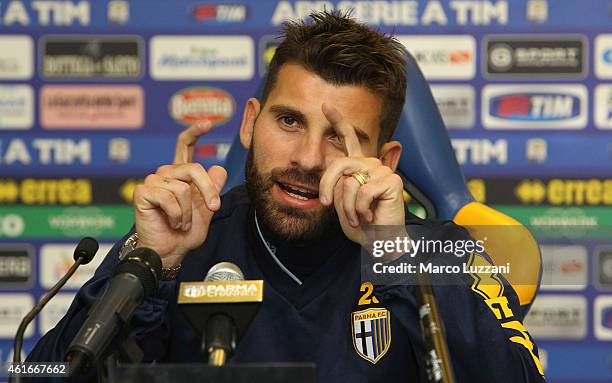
x: 320, y: 168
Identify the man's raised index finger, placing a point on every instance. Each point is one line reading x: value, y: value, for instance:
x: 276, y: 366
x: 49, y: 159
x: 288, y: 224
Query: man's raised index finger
x: 343, y: 129
x: 185, y: 144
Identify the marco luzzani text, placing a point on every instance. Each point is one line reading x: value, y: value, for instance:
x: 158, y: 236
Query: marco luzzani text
x: 405, y: 246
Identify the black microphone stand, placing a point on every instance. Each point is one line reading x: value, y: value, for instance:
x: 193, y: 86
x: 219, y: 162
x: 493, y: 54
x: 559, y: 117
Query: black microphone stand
x: 39, y: 306
x: 83, y: 254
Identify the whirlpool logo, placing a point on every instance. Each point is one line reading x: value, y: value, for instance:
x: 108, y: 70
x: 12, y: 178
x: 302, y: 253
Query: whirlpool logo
x: 528, y: 107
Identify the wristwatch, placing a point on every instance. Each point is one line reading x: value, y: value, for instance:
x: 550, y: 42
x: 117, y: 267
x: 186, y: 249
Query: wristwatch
x: 167, y: 273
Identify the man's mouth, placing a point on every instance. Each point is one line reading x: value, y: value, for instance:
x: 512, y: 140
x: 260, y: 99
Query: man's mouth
x: 299, y: 192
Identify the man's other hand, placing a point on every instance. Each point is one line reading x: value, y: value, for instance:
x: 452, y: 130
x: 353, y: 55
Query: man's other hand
x: 379, y: 201
x: 174, y: 206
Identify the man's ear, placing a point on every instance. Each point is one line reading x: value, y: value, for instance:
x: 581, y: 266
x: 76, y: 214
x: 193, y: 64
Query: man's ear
x: 390, y: 154
x: 251, y: 111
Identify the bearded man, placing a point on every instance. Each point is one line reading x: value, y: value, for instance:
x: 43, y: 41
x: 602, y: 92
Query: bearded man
x: 320, y: 168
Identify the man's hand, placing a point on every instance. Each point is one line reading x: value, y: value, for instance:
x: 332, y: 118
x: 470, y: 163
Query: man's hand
x: 377, y: 202
x: 174, y: 206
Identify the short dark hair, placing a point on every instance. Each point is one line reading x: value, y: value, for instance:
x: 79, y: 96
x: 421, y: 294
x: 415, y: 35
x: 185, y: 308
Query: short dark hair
x: 345, y: 52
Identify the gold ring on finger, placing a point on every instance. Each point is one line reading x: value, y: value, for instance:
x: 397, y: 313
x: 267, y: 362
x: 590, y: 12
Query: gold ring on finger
x: 361, y: 176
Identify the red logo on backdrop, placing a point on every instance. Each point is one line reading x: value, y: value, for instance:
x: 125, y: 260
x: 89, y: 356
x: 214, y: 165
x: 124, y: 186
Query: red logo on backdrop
x: 514, y: 105
x: 210, y: 151
x: 460, y: 57
x: 205, y: 12
x: 205, y: 151
x: 190, y: 105
x: 221, y: 13
x: 571, y: 267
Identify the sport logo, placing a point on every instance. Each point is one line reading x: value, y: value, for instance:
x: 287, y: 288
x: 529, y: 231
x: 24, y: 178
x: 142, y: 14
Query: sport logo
x: 531, y: 56
x: 371, y: 333
x: 191, y: 105
x: 534, y: 106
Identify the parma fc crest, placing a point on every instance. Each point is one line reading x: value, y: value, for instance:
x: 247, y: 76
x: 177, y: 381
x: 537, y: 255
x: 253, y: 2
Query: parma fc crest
x: 371, y: 333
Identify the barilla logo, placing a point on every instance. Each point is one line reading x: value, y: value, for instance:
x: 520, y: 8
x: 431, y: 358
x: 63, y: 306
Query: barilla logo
x: 534, y: 106
x: 191, y: 105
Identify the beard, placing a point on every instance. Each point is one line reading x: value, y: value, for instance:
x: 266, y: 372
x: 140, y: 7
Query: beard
x: 288, y: 223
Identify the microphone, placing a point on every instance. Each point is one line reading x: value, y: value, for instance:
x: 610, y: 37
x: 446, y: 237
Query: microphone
x: 83, y: 254
x: 219, y: 339
x: 224, y: 271
x: 134, y: 280
x: 220, y: 308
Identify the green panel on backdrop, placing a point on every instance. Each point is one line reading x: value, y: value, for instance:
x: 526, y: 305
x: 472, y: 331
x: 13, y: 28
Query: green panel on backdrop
x: 56, y: 222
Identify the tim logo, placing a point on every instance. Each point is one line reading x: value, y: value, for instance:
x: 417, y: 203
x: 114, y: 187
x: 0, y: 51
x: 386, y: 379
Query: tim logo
x: 534, y: 107
x: 222, y: 13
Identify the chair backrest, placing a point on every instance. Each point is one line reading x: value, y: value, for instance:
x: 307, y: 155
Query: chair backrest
x: 432, y: 176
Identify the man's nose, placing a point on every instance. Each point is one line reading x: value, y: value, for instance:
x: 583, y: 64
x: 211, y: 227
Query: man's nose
x: 309, y: 153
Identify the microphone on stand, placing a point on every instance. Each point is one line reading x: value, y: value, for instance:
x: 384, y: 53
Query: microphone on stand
x: 219, y: 338
x: 221, y: 308
x: 134, y: 280
x: 83, y: 254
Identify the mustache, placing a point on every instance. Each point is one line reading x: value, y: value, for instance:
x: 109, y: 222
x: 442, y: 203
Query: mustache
x: 307, y: 178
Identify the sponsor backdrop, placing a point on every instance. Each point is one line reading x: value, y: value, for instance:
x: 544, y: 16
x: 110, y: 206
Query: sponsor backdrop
x: 93, y: 94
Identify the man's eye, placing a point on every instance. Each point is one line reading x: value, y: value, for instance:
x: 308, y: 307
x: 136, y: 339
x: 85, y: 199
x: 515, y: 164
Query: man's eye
x: 288, y: 121
x: 335, y: 139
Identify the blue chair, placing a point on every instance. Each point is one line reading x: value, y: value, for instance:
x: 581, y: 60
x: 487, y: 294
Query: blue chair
x: 432, y: 177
